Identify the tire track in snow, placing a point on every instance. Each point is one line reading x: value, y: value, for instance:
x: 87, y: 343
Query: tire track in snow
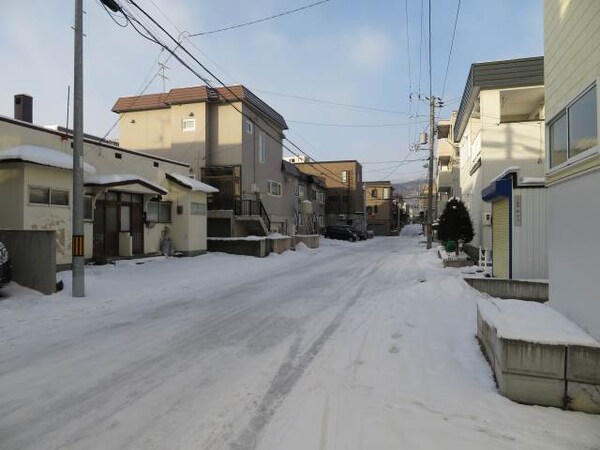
x: 289, y: 374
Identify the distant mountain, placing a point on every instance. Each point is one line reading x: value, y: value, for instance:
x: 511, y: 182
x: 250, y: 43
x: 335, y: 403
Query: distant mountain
x: 408, y: 189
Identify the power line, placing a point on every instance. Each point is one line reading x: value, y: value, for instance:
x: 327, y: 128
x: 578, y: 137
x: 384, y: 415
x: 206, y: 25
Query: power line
x: 451, y: 47
x: 408, y: 47
x: 264, y: 19
x: 327, y: 102
x: 350, y: 125
x: 151, y: 37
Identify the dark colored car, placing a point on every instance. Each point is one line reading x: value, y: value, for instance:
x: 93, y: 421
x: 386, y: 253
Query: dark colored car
x: 5, y: 266
x: 343, y: 232
x: 362, y: 235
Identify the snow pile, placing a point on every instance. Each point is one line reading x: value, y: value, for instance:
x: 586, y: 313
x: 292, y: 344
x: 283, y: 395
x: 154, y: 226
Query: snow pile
x: 533, y: 322
x: 411, y: 230
x: 44, y: 156
x: 244, y: 238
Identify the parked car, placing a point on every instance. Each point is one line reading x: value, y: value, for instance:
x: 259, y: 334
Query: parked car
x: 5, y: 266
x: 343, y: 232
x: 362, y: 235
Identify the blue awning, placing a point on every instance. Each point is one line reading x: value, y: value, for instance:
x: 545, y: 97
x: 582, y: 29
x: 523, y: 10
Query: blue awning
x: 498, y: 189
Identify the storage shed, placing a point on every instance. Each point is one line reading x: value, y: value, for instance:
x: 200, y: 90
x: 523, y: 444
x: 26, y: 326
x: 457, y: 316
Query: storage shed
x: 518, y: 225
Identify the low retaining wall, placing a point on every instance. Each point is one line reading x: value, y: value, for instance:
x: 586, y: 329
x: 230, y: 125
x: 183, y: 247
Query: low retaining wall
x: 242, y: 246
x: 280, y: 244
x: 536, y: 291
x: 33, y: 257
x: 559, y: 375
x: 310, y: 240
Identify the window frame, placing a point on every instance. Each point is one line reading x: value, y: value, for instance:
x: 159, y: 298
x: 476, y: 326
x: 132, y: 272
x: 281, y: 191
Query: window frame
x: 49, y: 202
x: 248, y: 127
x: 198, y: 209
x: 565, y: 112
x: 188, y: 120
x: 270, y: 184
x: 158, y: 204
x: 344, y: 176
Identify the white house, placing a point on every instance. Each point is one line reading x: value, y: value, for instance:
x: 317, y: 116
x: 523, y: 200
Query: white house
x: 500, y: 124
x: 572, y: 67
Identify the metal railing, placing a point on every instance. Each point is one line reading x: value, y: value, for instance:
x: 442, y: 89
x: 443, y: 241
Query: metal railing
x: 251, y: 208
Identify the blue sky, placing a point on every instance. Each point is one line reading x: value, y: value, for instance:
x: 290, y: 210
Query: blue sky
x: 344, y: 51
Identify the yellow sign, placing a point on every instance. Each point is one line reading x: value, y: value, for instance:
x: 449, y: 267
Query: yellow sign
x: 77, y: 247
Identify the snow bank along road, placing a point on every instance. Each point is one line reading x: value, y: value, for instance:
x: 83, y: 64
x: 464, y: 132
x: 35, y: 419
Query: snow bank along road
x: 351, y: 346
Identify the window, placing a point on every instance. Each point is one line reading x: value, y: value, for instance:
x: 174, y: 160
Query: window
x: 60, y: 198
x: 158, y: 212
x: 314, y: 195
x: 575, y: 129
x: 369, y: 210
x: 125, y: 218
x: 261, y: 148
x: 39, y: 196
x: 248, y: 127
x: 558, y: 140
x: 197, y: 209
x: 376, y: 209
x: 297, y: 190
x: 87, y: 208
x: 344, y: 176
x: 373, y: 193
x: 321, y: 197
x: 386, y: 193
x: 188, y: 125
x: 274, y: 188
x: 321, y: 222
x: 48, y: 196
x: 583, y: 118
x: 118, y: 156
x: 301, y: 191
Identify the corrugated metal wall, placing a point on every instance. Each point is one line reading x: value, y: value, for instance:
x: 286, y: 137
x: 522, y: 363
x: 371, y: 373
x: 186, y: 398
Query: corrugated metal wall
x: 530, y: 257
x: 500, y: 238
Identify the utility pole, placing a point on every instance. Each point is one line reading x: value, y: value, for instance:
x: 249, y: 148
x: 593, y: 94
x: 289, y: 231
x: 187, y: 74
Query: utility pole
x: 77, y: 246
x: 429, y: 218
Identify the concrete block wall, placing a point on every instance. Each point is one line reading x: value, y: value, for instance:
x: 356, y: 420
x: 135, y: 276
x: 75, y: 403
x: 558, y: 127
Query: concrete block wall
x: 563, y: 376
x: 33, y: 257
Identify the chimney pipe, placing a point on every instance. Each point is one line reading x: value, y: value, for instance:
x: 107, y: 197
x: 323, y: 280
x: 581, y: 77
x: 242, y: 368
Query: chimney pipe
x: 24, y: 107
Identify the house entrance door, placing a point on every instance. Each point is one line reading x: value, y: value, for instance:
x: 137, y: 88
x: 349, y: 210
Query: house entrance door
x: 137, y: 228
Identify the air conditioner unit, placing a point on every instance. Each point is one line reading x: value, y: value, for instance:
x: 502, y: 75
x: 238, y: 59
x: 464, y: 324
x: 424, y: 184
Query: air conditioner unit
x: 254, y: 188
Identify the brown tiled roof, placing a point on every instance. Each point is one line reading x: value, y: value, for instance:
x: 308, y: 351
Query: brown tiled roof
x: 195, y: 94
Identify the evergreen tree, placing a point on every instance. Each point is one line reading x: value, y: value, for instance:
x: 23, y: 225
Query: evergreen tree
x: 455, y: 223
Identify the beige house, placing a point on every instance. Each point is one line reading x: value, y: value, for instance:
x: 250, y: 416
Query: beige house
x: 345, y: 203
x: 135, y: 204
x: 447, y: 179
x: 305, y: 195
x: 230, y: 138
x: 381, y: 216
x: 500, y: 124
x: 572, y: 71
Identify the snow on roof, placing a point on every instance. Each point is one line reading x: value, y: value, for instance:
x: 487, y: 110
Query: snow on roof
x: 122, y: 179
x: 192, y: 183
x: 43, y: 156
x: 505, y: 172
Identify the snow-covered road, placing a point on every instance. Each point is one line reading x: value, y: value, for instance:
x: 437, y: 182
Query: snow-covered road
x: 351, y: 346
